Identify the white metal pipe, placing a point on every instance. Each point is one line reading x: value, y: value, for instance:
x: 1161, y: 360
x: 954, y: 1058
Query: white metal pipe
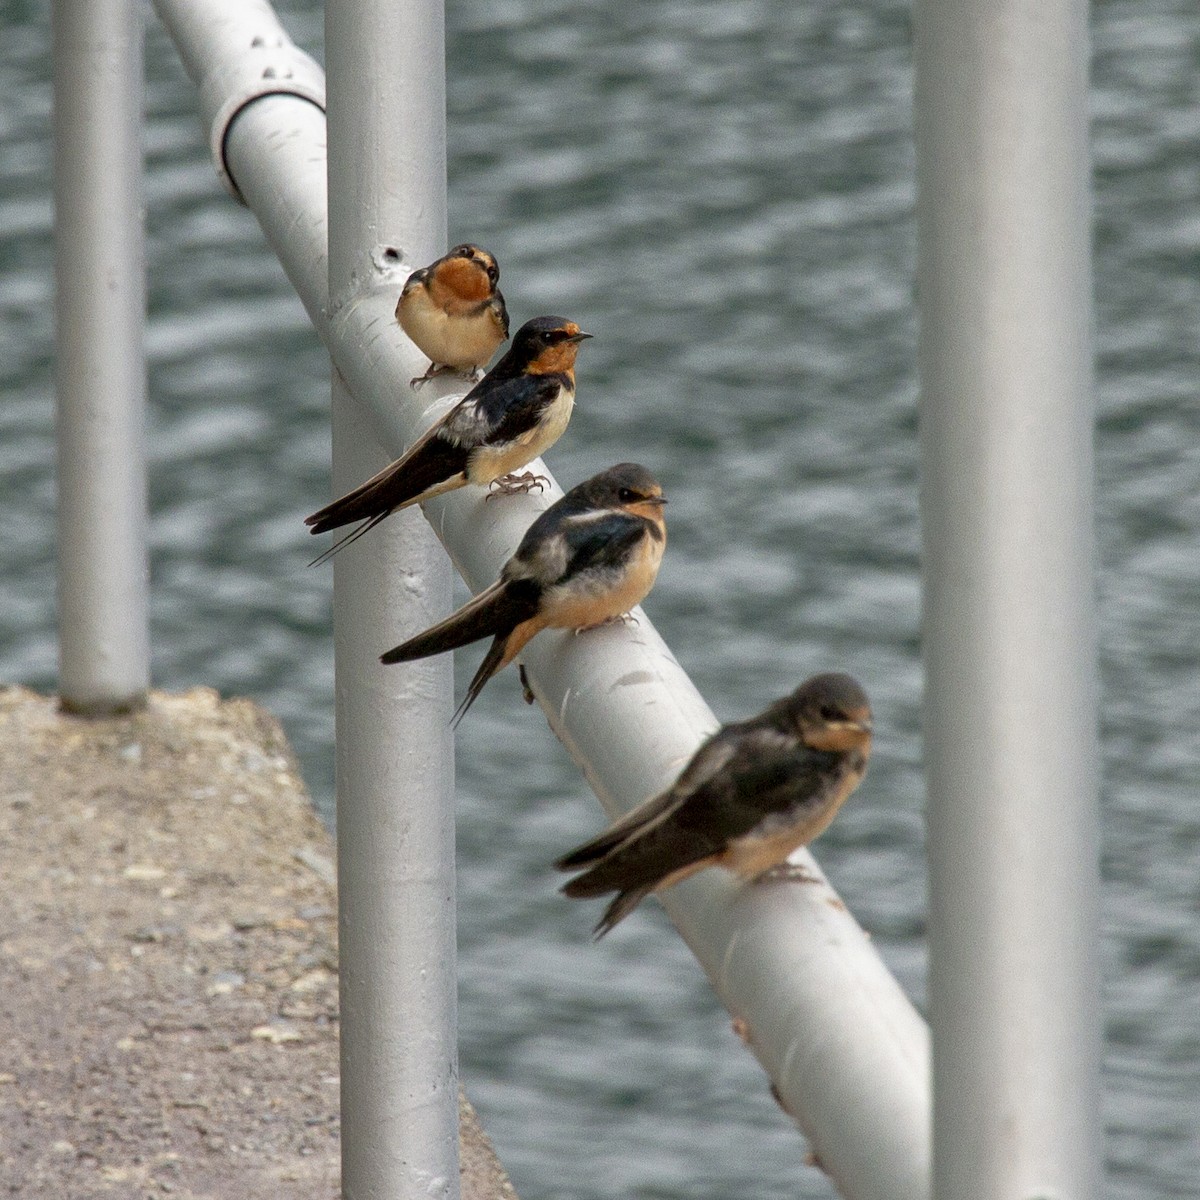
x: 99, y: 260
x: 846, y: 1050
x: 395, y: 753
x: 395, y: 839
x: 1004, y: 282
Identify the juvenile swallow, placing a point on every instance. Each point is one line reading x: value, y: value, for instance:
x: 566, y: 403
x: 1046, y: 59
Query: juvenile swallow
x: 587, y: 560
x: 516, y: 412
x: 752, y: 793
x: 454, y: 312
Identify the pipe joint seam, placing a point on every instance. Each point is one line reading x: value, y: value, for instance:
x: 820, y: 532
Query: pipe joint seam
x: 272, y: 65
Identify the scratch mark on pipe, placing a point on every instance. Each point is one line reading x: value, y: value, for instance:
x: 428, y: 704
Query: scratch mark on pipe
x: 630, y: 678
x: 793, y: 1048
x: 726, y: 959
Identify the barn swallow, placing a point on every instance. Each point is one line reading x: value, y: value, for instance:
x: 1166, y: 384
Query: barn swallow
x: 752, y: 793
x: 516, y: 412
x: 454, y: 312
x: 587, y: 560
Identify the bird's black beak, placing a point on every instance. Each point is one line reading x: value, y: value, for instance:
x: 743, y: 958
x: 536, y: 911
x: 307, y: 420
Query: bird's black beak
x: 579, y: 337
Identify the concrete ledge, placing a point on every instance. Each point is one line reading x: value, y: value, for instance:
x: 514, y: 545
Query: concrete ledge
x: 168, y: 960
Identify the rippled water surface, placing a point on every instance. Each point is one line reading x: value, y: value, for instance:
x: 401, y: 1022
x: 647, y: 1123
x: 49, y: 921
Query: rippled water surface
x: 724, y: 195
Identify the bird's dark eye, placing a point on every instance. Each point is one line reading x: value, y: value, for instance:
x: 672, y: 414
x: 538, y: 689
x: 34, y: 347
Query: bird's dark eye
x: 627, y: 496
x: 466, y: 252
x: 829, y: 713
x: 493, y: 272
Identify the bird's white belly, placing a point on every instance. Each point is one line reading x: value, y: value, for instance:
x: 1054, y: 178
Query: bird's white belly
x: 459, y: 341
x: 755, y: 853
x: 492, y: 462
x: 587, y: 601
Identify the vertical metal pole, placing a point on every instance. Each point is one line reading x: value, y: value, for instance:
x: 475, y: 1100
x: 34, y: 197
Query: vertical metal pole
x: 385, y: 81
x: 104, y: 645
x: 1004, y: 283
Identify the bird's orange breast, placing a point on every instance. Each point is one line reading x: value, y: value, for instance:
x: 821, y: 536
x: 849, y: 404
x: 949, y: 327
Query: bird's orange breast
x: 461, y: 280
x: 575, y: 605
x: 751, y: 855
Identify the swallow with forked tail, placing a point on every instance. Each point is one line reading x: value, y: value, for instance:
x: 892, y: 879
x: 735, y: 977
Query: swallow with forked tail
x: 587, y: 560
x: 454, y: 312
x: 753, y: 793
x: 516, y: 412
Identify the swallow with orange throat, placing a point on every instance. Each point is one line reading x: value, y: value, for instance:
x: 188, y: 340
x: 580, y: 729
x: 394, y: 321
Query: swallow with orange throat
x: 754, y: 792
x: 454, y: 312
x: 586, y: 561
x: 516, y: 412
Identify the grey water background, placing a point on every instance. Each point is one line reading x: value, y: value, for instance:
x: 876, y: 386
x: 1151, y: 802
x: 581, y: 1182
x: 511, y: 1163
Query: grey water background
x: 724, y: 195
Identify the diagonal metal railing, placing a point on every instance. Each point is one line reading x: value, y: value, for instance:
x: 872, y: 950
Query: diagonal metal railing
x: 845, y: 1049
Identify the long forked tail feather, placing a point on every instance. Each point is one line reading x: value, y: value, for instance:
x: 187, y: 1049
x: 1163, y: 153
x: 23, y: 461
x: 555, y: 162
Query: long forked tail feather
x: 369, y: 500
x: 502, y: 651
x: 429, y: 465
x: 622, y: 829
x: 493, y: 660
x: 487, y: 614
x: 353, y: 536
x: 591, y: 852
x: 640, y: 864
x: 622, y: 905
x: 505, y: 610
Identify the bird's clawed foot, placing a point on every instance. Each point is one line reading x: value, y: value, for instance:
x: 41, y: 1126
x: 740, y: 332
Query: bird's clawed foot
x: 620, y: 619
x: 787, y: 872
x: 526, y: 690
x: 471, y: 374
x: 511, y: 484
x: 419, y: 381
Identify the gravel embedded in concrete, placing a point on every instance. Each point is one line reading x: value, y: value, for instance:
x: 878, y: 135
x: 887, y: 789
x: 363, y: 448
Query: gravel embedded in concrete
x: 168, y: 960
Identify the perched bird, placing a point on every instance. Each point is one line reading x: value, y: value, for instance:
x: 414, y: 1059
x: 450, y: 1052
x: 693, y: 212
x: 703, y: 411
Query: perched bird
x: 518, y: 410
x: 587, y: 560
x: 752, y: 793
x: 454, y: 312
